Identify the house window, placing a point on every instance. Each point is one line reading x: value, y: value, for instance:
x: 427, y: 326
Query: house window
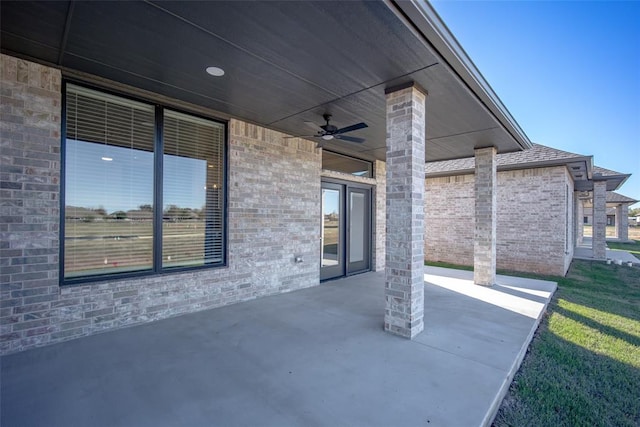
x: 585, y: 220
x: 345, y: 164
x: 143, y: 188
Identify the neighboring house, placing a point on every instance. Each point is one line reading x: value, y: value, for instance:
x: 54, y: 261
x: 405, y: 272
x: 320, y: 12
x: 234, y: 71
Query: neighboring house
x: 617, y: 208
x: 613, y: 201
x: 202, y: 196
x: 538, y: 192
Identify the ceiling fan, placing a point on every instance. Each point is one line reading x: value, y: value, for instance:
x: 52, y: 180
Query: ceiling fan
x: 327, y: 132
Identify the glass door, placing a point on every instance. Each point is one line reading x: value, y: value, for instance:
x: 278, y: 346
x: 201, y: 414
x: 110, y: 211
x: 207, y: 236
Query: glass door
x: 332, y: 247
x: 359, y: 229
x: 346, y: 230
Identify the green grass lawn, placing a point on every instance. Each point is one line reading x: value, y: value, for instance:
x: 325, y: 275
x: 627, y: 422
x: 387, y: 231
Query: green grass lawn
x: 583, y: 365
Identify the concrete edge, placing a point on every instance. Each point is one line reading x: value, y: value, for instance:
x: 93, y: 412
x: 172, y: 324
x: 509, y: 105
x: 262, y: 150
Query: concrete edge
x: 506, y: 383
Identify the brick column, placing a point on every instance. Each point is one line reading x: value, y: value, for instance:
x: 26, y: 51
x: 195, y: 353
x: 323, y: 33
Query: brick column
x: 579, y: 218
x: 622, y: 222
x: 484, y: 242
x: 404, y: 284
x: 380, y: 213
x: 599, y: 242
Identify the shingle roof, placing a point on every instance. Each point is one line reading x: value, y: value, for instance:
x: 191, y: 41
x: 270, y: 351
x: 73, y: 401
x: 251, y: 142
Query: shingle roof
x: 606, y: 172
x: 538, y: 155
x: 613, y: 197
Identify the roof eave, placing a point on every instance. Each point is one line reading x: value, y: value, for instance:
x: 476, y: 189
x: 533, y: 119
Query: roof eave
x: 424, y: 17
x: 516, y: 166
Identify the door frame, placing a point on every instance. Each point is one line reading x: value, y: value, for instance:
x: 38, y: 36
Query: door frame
x: 333, y: 183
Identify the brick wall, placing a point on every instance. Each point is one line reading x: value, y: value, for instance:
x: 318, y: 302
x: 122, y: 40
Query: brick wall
x: 531, y: 223
x: 449, y: 219
x: 273, y: 215
x: 29, y: 201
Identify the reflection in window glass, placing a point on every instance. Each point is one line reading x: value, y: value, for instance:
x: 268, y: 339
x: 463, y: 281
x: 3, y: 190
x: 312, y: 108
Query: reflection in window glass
x: 330, y: 227
x: 111, y: 211
x: 108, y: 185
x: 192, y: 191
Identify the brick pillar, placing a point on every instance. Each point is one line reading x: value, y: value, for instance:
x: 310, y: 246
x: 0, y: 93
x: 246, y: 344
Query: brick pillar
x: 404, y: 284
x: 622, y: 222
x: 599, y: 242
x: 380, y: 213
x: 484, y: 242
x: 579, y: 218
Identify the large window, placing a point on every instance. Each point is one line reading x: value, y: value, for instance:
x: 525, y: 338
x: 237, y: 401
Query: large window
x: 144, y: 188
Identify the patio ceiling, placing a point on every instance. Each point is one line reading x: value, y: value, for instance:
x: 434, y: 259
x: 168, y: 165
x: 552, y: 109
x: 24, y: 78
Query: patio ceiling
x: 285, y: 63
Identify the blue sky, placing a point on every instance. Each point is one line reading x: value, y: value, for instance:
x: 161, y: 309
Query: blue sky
x: 569, y: 72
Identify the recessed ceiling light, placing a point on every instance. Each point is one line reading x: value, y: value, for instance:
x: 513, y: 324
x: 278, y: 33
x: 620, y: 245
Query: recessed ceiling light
x: 107, y: 159
x: 215, y: 71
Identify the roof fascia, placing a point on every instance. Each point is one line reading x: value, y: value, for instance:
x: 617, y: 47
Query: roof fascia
x: 427, y: 21
x: 517, y: 166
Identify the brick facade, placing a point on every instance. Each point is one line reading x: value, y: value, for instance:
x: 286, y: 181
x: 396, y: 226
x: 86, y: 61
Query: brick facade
x: 535, y: 231
x: 273, y: 214
x: 29, y: 199
x: 449, y: 219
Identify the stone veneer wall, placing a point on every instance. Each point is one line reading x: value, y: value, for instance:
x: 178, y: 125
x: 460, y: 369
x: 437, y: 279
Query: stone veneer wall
x: 532, y: 225
x: 273, y: 206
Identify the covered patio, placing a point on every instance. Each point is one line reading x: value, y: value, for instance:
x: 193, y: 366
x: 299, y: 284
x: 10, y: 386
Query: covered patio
x: 391, y: 70
x: 317, y: 356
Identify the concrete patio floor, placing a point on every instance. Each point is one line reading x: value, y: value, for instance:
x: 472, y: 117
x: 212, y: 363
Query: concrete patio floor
x: 585, y: 252
x: 315, y: 357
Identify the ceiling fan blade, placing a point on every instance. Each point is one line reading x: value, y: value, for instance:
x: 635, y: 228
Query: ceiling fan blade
x: 351, y: 128
x: 349, y: 138
x: 301, y: 136
x: 313, y: 126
